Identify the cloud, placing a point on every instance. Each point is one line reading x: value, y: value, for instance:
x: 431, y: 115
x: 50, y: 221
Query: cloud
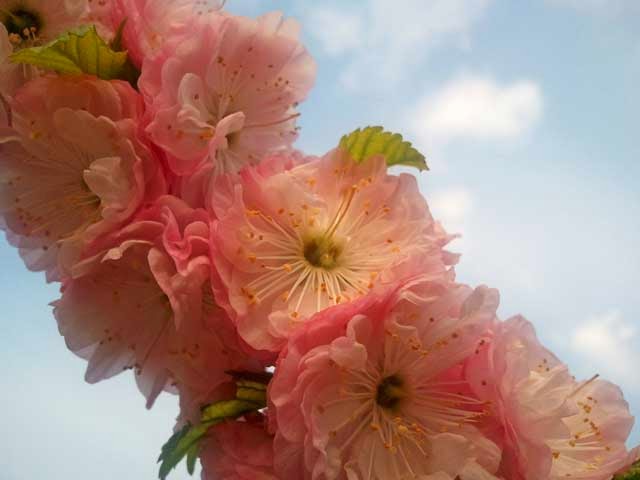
x: 608, y: 344
x: 338, y: 32
x: 491, y: 254
x: 386, y: 41
x: 451, y: 207
x: 477, y: 107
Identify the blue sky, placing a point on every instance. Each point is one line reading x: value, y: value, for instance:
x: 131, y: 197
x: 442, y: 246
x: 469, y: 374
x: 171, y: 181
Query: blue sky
x: 528, y: 112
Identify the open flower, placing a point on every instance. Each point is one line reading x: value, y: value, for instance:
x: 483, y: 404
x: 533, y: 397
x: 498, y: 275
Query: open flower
x: 144, y: 302
x: 225, y: 95
x: 293, y: 242
x: 72, y: 168
x: 149, y: 23
x: 373, y: 390
x: 39, y: 21
x: 29, y: 23
x: 238, y: 451
x: 594, y: 447
x: 549, y: 425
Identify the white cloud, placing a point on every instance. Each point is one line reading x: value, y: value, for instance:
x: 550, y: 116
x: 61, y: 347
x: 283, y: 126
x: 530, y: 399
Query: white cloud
x: 492, y: 253
x: 386, y: 40
x: 337, y: 32
x: 608, y: 344
x: 451, y: 207
x: 477, y: 107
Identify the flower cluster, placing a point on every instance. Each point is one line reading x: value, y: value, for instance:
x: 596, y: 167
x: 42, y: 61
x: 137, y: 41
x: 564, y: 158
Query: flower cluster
x: 305, y: 309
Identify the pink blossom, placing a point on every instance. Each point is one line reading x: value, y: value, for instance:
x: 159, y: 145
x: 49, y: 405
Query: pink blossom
x: 44, y: 19
x: 101, y: 14
x: 549, y: 425
x: 29, y: 23
x: 143, y: 301
x: 594, y: 448
x: 373, y: 389
x: 240, y: 450
x: 72, y: 167
x: 215, y: 192
x: 293, y: 242
x: 150, y: 23
x: 204, y: 378
x: 226, y: 93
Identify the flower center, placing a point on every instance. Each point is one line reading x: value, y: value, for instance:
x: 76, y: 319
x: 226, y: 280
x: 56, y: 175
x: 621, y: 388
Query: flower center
x: 322, y: 252
x: 22, y: 23
x: 391, y: 391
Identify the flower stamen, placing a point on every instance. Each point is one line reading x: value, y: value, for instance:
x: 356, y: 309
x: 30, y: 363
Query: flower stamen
x: 390, y: 392
x: 21, y: 23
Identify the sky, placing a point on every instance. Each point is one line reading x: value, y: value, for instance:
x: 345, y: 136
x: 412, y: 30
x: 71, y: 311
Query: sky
x: 528, y: 114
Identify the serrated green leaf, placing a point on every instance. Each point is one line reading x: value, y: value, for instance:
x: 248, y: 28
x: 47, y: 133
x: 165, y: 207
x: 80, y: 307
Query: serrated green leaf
x: 365, y: 143
x: 76, y: 52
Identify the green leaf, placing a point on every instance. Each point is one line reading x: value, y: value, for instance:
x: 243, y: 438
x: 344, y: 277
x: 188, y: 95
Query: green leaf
x: 186, y: 443
x: 365, y: 143
x: 172, y: 455
x: 251, y: 396
x: 251, y: 391
x: 633, y: 474
x: 76, y: 52
x: 173, y: 442
x: 228, y: 409
x: 192, y: 458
